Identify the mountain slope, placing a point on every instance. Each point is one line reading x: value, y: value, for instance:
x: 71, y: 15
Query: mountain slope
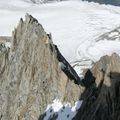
x: 30, y: 76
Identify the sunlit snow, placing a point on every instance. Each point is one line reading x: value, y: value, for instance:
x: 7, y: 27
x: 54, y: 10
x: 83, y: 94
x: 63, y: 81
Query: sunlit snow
x: 62, y: 112
x: 74, y: 25
x: 8, y: 45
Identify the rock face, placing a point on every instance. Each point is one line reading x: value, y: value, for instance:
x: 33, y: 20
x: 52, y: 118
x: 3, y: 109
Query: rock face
x: 101, y: 99
x: 30, y: 77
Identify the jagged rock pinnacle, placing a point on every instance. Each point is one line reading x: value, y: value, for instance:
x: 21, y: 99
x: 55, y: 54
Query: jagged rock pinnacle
x: 31, y: 78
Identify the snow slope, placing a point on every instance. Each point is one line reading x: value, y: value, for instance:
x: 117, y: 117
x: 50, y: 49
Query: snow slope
x: 75, y: 26
x: 62, y: 112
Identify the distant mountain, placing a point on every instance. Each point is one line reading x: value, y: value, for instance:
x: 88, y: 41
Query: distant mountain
x: 112, y: 2
x: 41, y: 1
x: 101, y: 99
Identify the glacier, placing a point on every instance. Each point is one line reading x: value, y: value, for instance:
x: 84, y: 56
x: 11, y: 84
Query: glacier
x: 74, y: 25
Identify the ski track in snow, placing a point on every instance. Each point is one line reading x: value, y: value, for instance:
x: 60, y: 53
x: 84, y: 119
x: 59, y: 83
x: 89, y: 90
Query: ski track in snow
x: 74, y: 25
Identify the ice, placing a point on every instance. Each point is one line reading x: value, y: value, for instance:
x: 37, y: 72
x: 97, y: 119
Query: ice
x: 74, y: 26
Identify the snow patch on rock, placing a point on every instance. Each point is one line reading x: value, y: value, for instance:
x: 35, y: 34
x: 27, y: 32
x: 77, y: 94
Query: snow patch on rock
x: 62, y: 112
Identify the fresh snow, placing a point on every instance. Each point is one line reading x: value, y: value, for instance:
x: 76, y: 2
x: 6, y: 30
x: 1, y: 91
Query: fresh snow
x: 74, y: 26
x: 64, y: 112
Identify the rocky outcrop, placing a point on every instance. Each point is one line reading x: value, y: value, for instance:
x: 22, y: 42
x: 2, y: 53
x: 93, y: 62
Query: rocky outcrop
x: 67, y: 68
x: 30, y: 76
x: 101, y: 99
x: 111, y: 2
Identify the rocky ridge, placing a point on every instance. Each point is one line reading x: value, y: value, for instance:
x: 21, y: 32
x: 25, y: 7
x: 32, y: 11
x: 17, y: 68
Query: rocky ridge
x: 101, y: 99
x: 113, y: 35
x: 30, y: 77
